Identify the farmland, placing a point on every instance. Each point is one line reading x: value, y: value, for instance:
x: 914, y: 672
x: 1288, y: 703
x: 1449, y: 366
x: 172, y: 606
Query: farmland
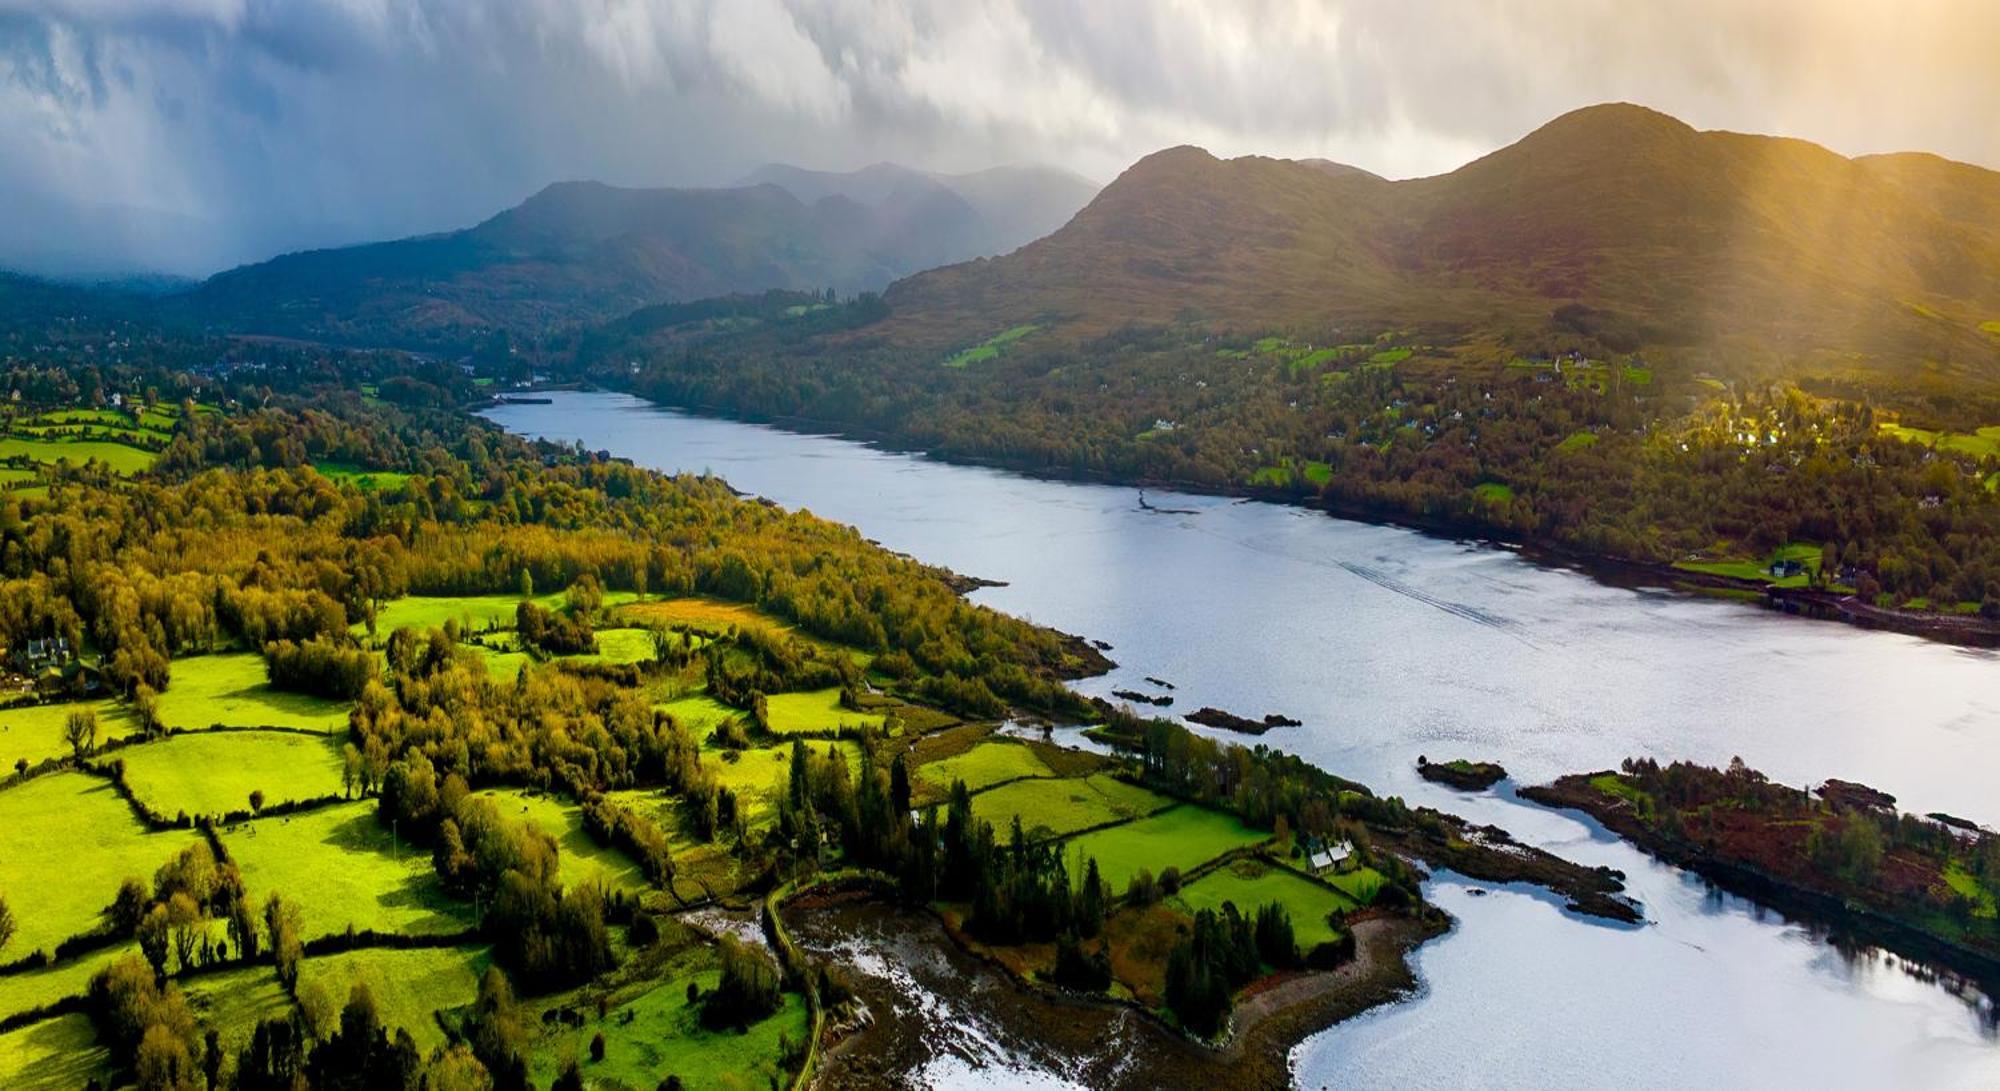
x: 1063, y: 807
x: 34, y: 733
x: 410, y: 986
x: 1185, y: 837
x: 233, y: 690
x: 1250, y: 884
x: 214, y: 772
x: 380, y: 886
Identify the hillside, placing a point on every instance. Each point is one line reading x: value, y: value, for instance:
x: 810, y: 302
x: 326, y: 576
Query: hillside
x: 581, y: 252
x: 1613, y: 220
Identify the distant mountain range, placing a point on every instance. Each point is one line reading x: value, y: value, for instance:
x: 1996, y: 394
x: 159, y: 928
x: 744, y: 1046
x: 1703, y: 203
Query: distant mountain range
x: 582, y: 252
x: 1614, y: 221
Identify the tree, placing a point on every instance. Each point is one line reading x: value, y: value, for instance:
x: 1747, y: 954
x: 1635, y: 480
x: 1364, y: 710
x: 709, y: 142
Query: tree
x: 597, y: 1047
x: 7, y: 923
x: 527, y: 585
x: 80, y: 731
x: 128, y: 908
x: 156, y: 938
x: 256, y: 801
x: 282, y: 921
x: 187, y: 925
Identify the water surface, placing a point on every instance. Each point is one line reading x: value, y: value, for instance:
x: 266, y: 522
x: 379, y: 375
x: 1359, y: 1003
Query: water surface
x: 1387, y: 644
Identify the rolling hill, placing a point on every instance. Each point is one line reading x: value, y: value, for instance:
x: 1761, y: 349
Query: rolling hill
x: 1613, y: 221
x: 582, y: 252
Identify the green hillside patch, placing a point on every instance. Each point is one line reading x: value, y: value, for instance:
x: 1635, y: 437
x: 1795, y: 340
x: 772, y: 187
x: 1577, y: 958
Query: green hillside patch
x: 116, y: 457
x: 34, y: 989
x: 66, y: 841
x: 365, y: 480
x: 991, y: 347
x: 815, y: 710
x: 1391, y: 356
x: 233, y: 690
x: 1058, y: 808
x: 410, y: 986
x: 474, y: 613
x: 1807, y: 554
x: 985, y: 765
x: 1979, y: 444
x: 1577, y: 441
x: 35, y: 732
x: 233, y: 1002
x: 213, y: 773
x: 1493, y: 492
x: 621, y: 646
x: 344, y: 869
x: 658, y: 1033
x: 1361, y: 884
x: 580, y: 858
x: 1252, y: 884
x: 1185, y: 837
x: 699, y: 713
x: 59, y: 1054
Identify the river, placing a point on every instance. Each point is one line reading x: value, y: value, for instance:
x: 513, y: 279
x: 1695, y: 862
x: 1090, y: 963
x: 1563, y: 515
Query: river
x: 1387, y: 644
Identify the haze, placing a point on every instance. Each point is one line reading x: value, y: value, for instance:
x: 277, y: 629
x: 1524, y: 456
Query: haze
x: 185, y: 137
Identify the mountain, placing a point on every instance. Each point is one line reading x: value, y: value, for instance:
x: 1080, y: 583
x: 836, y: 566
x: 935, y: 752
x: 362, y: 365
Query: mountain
x: 1001, y: 209
x: 583, y: 252
x: 1613, y: 221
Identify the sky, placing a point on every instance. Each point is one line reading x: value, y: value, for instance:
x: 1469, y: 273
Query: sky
x: 185, y: 136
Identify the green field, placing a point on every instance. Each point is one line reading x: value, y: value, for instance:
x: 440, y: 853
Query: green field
x: 365, y: 480
x: 117, y: 457
x: 1493, y: 492
x: 474, y: 613
x: 582, y: 859
x: 1361, y: 884
x: 375, y: 885
x: 1058, y: 808
x: 1577, y: 441
x: 985, y: 765
x: 503, y: 666
x: 1185, y: 837
x: 60, y: 1054
x: 1806, y: 553
x: 409, y: 986
x: 1980, y: 444
x: 1252, y: 884
x: 699, y: 713
x: 233, y: 690
x: 622, y: 646
x: 664, y: 1037
x: 233, y: 1002
x: 757, y: 776
x: 66, y: 841
x: 814, y: 710
x: 35, y: 732
x: 39, y: 988
x: 991, y: 347
x: 213, y: 773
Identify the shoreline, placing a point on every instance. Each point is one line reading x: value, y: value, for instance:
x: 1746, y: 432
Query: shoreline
x: 1967, y: 630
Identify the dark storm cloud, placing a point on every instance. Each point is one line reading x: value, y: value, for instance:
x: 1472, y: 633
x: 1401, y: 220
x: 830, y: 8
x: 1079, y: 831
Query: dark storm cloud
x: 189, y: 134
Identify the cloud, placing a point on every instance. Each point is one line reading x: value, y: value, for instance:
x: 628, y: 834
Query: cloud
x: 191, y: 134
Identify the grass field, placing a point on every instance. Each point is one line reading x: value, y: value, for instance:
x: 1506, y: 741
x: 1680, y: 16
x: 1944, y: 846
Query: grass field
x: 409, y: 986
x: 60, y: 1054
x: 700, y: 614
x: 119, y: 458
x: 233, y: 690
x: 1493, y: 492
x: 992, y: 346
x: 582, y: 859
x: 504, y: 666
x: 1185, y: 837
x: 71, y: 977
x: 365, y: 480
x: 35, y: 732
x: 698, y: 712
x: 1577, y: 441
x: 1250, y: 885
x: 1980, y: 444
x: 233, y: 1002
x: 987, y: 764
x: 342, y: 868
x: 1361, y: 884
x: 1806, y: 553
x: 622, y: 646
x: 756, y: 776
x: 474, y: 613
x: 1057, y: 808
x: 214, y: 772
x: 66, y: 841
x: 814, y: 710
x: 664, y: 1037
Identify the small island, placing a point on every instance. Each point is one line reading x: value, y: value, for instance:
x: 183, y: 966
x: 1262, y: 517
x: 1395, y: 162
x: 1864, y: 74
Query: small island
x: 1466, y: 776
x: 1228, y: 721
x: 1923, y: 888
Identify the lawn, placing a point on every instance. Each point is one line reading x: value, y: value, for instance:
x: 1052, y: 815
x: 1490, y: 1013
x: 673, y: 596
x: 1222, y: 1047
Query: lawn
x: 582, y: 859
x: 213, y: 773
x: 409, y: 986
x: 67, y: 840
x: 233, y: 690
x: 664, y: 1037
x: 814, y: 710
x: 1806, y: 553
x: 375, y: 887
x: 1250, y: 885
x: 1058, y: 808
x: 1185, y: 837
x: 35, y: 732
x: 985, y: 765
x: 60, y: 1054
x: 1361, y: 884
x: 117, y: 457
x: 233, y: 1002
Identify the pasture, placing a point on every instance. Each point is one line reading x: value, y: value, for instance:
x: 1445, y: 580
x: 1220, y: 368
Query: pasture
x: 814, y: 710
x: 343, y: 868
x: 757, y: 776
x: 35, y: 732
x: 409, y: 986
x: 581, y: 859
x: 233, y: 1002
x: 33, y: 989
x: 67, y: 840
x: 214, y: 772
x: 1058, y: 808
x: 657, y: 1034
x: 116, y: 457
x: 474, y: 613
x: 699, y: 713
x: 1252, y: 884
x: 59, y: 1054
x: 992, y: 762
x: 621, y: 646
x: 1185, y: 837
x: 232, y: 690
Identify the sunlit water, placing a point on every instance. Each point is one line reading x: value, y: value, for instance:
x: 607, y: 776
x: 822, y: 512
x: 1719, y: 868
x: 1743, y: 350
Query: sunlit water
x: 1389, y: 644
